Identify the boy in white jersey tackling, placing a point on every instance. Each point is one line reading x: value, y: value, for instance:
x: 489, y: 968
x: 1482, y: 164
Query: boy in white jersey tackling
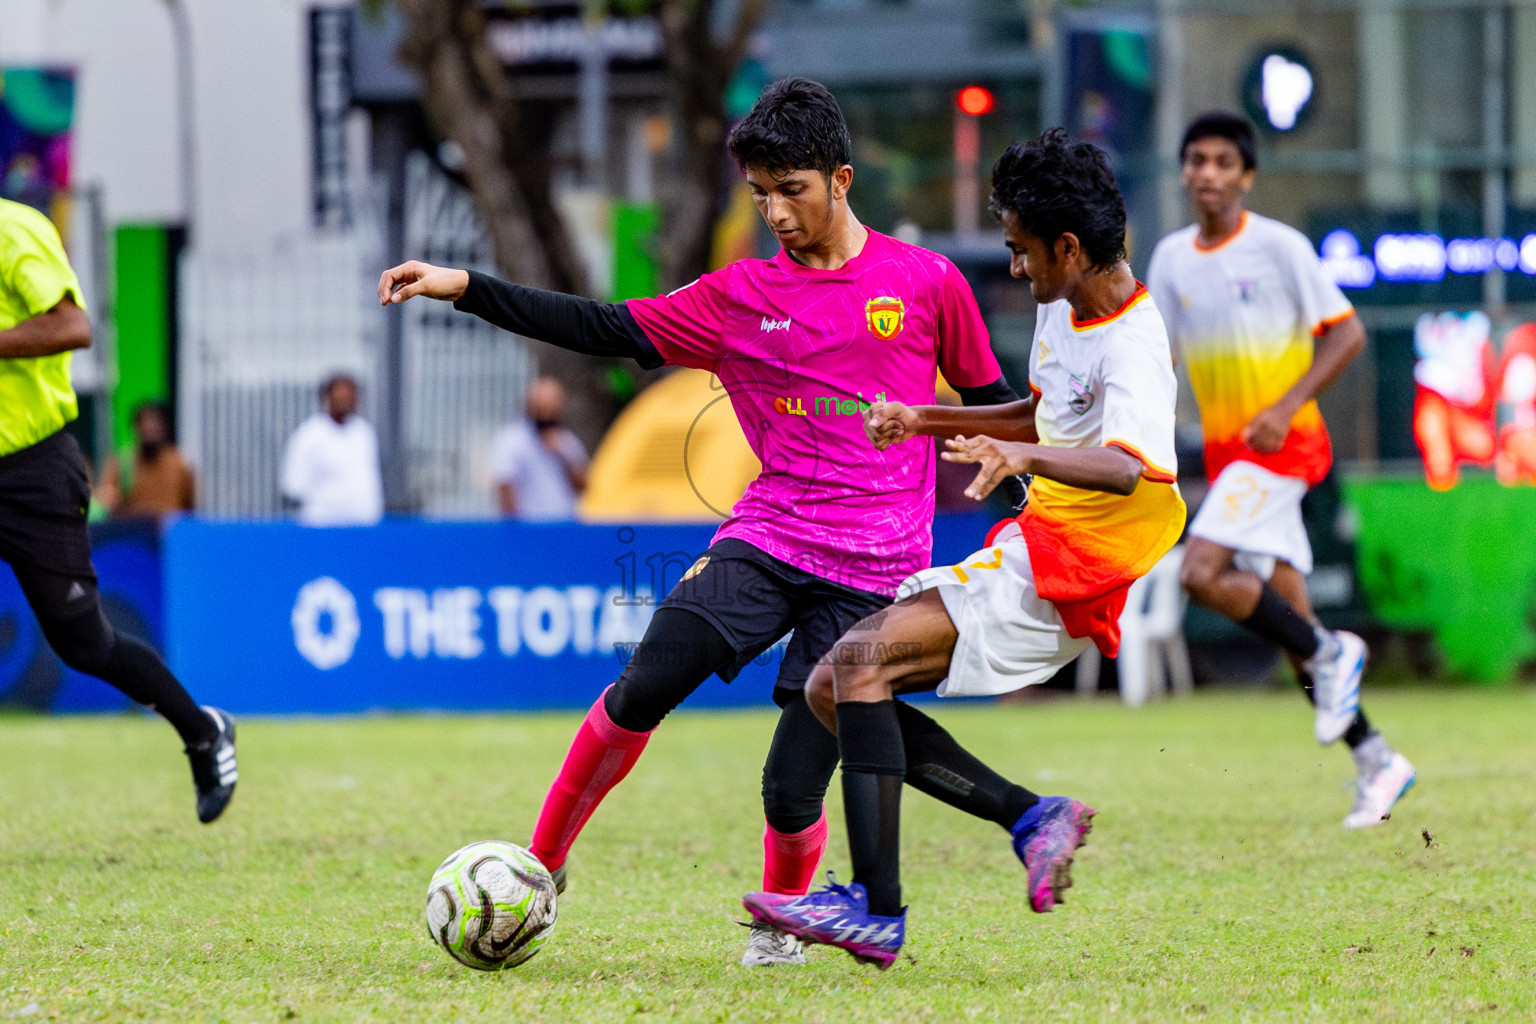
x: 1097, y: 433
x: 1244, y: 297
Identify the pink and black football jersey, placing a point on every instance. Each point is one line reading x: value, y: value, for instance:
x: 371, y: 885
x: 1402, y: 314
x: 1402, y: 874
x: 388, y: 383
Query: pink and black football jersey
x: 802, y: 352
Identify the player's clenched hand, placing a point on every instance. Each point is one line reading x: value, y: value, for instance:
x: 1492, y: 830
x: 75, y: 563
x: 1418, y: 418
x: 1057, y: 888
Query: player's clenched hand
x: 417, y: 278
x: 888, y: 423
x: 998, y: 460
x: 1268, y: 430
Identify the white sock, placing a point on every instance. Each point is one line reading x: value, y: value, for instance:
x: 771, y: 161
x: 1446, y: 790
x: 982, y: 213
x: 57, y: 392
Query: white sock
x: 1327, y: 648
x: 1371, y: 754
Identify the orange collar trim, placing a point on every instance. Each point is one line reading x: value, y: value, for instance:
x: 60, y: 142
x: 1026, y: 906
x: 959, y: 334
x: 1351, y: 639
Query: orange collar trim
x: 1083, y: 325
x: 1241, y: 224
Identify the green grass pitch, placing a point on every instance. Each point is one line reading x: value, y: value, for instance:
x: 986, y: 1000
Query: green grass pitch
x: 1217, y: 885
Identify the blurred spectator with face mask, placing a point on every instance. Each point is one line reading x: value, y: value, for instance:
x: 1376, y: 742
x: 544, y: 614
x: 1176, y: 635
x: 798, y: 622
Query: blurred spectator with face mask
x: 154, y: 479
x: 331, y: 464
x: 540, y: 466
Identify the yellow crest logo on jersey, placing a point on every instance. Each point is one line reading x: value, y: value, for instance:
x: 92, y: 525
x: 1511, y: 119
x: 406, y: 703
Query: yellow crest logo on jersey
x: 696, y: 568
x: 885, y: 316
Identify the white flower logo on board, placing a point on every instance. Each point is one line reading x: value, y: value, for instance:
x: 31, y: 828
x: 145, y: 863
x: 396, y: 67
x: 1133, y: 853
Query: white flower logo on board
x: 318, y: 599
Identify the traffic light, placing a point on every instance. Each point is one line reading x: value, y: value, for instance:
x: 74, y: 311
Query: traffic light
x: 976, y: 100
x: 970, y: 104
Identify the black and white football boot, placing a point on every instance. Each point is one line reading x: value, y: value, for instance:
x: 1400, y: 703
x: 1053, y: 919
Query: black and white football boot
x: 213, y: 769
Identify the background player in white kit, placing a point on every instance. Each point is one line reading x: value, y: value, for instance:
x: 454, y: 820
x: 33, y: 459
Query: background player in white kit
x: 1244, y: 297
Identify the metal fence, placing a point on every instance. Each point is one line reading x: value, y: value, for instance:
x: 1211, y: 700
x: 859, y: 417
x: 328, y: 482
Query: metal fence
x: 462, y: 378
x: 259, y: 334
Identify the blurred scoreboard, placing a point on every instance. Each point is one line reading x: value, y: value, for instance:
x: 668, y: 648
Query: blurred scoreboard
x: 1385, y: 259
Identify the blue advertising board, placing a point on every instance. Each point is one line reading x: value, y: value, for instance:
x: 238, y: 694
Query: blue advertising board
x: 281, y: 618
x: 127, y: 560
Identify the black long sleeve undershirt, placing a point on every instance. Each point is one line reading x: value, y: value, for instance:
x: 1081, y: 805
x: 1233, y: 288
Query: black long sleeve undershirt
x: 567, y: 321
x: 996, y: 393
x: 604, y: 329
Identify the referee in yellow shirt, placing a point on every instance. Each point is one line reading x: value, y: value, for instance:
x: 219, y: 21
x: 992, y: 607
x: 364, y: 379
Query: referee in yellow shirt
x: 44, y: 494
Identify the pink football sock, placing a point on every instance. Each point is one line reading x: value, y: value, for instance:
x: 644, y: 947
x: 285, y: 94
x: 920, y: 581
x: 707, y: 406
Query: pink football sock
x: 790, y: 858
x: 600, y: 756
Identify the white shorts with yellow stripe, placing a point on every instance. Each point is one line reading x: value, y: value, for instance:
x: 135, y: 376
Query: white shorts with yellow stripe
x: 1010, y: 636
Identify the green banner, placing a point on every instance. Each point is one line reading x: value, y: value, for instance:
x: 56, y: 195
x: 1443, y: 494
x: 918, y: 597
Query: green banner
x: 634, y: 250
x: 1459, y: 563
x: 142, y: 317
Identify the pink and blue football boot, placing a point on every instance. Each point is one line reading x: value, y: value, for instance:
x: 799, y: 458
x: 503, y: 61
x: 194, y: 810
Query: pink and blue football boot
x: 1044, y: 839
x: 834, y: 915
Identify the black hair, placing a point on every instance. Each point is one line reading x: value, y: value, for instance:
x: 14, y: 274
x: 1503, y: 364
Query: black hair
x: 1222, y: 124
x: 335, y: 379
x: 1056, y: 186
x: 154, y: 406
x: 795, y: 125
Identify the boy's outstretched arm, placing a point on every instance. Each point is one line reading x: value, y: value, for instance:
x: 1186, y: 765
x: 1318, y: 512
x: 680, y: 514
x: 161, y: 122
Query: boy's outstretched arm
x: 414, y: 278
x: 1094, y: 469
x: 888, y: 423
x: 567, y: 321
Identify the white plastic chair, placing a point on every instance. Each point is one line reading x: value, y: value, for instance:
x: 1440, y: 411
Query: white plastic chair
x: 1151, y: 638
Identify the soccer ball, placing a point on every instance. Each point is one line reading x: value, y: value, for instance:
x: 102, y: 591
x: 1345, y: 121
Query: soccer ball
x: 491, y: 905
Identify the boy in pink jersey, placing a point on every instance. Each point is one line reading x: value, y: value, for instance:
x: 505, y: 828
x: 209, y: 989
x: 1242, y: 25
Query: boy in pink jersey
x: 842, y: 317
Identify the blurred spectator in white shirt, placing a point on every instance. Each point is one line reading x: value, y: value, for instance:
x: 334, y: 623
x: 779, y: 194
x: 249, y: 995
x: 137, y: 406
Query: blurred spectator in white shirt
x: 540, y: 467
x: 331, y: 464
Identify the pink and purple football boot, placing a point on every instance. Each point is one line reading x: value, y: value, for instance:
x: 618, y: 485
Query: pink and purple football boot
x: 1044, y: 839
x: 834, y: 915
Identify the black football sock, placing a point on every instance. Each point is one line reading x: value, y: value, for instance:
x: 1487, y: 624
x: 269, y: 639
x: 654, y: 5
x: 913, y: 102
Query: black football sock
x: 1304, y: 680
x: 946, y: 771
x: 874, y: 763
x: 1276, y: 621
x: 135, y: 668
x: 1359, y: 730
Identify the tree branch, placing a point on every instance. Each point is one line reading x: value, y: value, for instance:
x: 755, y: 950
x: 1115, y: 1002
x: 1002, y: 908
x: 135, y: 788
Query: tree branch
x: 748, y: 16
x: 700, y: 68
x: 468, y: 94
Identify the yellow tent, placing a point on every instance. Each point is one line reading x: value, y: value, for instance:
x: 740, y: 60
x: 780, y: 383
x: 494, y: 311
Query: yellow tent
x: 676, y: 454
